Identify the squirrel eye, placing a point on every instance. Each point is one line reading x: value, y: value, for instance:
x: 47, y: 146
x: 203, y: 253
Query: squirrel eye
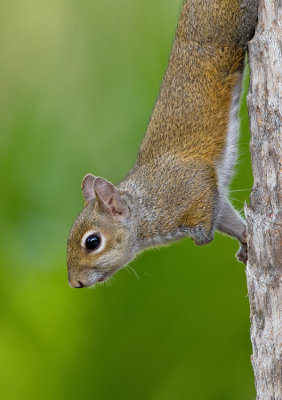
x: 92, y: 242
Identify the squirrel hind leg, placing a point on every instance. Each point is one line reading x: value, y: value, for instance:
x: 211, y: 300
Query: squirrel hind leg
x: 230, y: 222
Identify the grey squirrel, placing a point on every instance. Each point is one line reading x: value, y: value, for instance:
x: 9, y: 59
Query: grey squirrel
x: 178, y: 186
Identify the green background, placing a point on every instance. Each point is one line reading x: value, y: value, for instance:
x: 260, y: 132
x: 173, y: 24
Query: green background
x: 78, y: 83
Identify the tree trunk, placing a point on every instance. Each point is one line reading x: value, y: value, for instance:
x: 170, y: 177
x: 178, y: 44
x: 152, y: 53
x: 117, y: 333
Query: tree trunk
x: 264, y: 214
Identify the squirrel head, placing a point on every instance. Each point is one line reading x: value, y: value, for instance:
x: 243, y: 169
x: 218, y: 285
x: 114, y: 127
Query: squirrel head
x: 101, y: 240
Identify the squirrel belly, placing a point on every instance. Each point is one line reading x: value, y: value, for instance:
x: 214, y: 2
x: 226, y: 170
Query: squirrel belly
x: 179, y: 184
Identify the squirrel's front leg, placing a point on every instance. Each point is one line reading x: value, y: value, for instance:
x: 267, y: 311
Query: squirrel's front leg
x: 201, y: 215
x: 230, y: 222
x: 200, y: 235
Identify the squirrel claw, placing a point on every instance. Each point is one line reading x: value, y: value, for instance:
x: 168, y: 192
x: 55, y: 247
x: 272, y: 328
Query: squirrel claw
x: 242, y: 253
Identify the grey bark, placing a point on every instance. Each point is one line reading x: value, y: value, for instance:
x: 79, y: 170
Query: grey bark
x: 264, y: 214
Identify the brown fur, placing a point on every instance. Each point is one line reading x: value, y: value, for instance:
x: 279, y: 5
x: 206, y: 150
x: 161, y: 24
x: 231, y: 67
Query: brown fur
x: 172, y: 191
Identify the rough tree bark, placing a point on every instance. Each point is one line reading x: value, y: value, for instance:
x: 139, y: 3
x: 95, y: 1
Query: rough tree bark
x: 264, y: 214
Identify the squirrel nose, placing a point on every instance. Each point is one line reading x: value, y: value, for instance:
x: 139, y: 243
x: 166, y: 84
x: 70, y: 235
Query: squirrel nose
x: 76, y: 284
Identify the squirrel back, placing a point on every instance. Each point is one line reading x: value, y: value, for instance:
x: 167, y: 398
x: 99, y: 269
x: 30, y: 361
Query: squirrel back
x: 178, y: 185
x: 191, y: 115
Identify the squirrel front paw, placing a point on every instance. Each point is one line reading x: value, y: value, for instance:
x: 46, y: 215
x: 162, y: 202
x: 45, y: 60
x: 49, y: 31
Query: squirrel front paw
x: 200, y: 235
x: 242, y: 253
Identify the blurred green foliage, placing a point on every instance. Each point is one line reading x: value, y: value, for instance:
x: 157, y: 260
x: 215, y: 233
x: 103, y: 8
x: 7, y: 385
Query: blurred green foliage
x: 78, y: 83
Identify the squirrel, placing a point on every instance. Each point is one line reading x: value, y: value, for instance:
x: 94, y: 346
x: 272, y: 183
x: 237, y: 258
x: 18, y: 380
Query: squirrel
x: 178, y: 186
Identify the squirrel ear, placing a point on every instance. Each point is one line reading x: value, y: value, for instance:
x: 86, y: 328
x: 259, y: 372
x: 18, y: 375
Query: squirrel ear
x: 87, y: 186
x: 109, y: 196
